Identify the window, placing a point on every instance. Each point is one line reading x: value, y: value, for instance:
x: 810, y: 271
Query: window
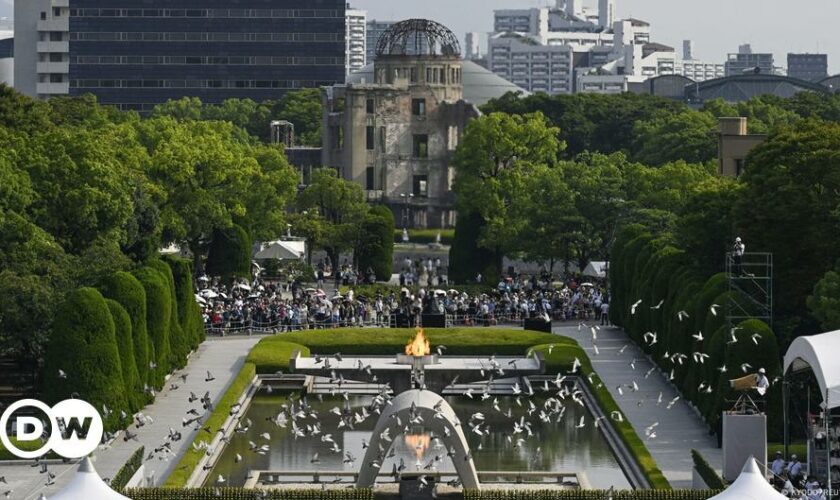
x: 370, y: 106
x: 421, y: 186
x: 43, y: 16
x: 421, y: 146
x: 418, y: 107
x: 369, y: 179
x: 55, y: 78
x: 55, y: 57
x: 369, y: 139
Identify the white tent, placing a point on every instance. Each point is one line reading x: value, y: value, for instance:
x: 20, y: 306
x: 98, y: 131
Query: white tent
x: 597, y: 269
x: 750, y: 485
x: 817, y: 354
x: 281, y: 250
x: 87, y: 484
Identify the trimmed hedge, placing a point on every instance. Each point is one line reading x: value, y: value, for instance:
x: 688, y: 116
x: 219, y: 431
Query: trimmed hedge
x: 229, y: 255
x: 158, y: 312
x: 221, y: 411
x: 178, y: 343
x: 589, y: 494
x: 710, y: 477
x: 426, y: 236
x: 127, y: 471
x: 189, y: 314
x: 83, y: 344
x: 243, y: 494
x: 272, y: 355
x: 129, y: 292
x: 125, y: 345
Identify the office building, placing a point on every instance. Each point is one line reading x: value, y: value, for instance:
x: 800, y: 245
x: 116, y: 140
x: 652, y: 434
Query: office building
x: 135, y: 54
x: 748, y: 61
x: 472, y: 46
x: 688, y: 50
x: 356, y: 39
x: 695, y: 69
x: 533, y: 67
x: 810, y: 67
x: 606, y: 13
x: 42, y: 47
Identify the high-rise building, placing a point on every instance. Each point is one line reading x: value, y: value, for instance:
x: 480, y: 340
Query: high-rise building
x: 688, y: 50
x: 42, y: 47
x: 696, y: 69
x: 135, y: 54
x: 811, y: 67
x: 356, y: 39
x: 472, y: 46
x: 746, y: 61
x: 534, y: 67
x: 606, y: 13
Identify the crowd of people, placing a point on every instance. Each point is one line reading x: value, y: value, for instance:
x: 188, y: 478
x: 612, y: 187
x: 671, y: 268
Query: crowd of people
x: 791, y: 481
x: 268, y: 306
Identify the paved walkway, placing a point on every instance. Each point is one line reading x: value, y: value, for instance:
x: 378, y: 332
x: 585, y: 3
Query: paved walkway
x: 680, y: 429
x: 223, y: 357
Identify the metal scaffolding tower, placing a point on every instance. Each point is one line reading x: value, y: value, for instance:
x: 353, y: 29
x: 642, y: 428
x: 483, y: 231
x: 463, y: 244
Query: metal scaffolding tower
x: 752, y: 281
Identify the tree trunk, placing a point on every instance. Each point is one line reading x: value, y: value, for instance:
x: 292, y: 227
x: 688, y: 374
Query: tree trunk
x: 195, y: 249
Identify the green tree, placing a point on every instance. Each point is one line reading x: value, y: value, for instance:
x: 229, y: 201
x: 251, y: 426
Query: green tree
x: 83, y: 346
x: 189, y: 314
x: 493, y: 160
x: 125, y: 346
x: 705, y: 226
x: 126, y: 290
x: 22, y: 114
x: 230, y: 253
x: 824, y: 303
x: 179, y: 344
x: 158, y: 313
x: 340, y: 205
x: 302, y: 108
x: 185, y: 108
x: 375, y: 247
x: 667, y: 137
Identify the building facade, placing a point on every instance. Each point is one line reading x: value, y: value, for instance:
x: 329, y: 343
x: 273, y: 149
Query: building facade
x: 42, y: 50
x: 135, y: 54
x: 748, y: 61
x: 7, y: 54
x: 734, y: 145
x: 533, y: 67
x: 396, y: 135
x: 810, y: 67
x: 356, y: 39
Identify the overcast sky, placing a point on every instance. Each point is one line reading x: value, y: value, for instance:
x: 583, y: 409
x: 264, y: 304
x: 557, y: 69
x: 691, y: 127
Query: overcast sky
x: 716, y: 26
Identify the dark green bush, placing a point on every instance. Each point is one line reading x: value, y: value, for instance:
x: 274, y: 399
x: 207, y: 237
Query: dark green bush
x: 710, y: 477
x: 273, y: 354
x: 129, y: 292
x: 189, y: 314
x: 229, y: 255
x: 243, y: 494
x: 179, y: 344
x: 158, y: 312
x: 127, y: 471
x: 376, y: 245
x: 83, y: 344
x: 125, y: 345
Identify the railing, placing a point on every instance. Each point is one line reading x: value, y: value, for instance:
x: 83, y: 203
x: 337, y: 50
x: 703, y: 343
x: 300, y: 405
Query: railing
x: 575, y: 480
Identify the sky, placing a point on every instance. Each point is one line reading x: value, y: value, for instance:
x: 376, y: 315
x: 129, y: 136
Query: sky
x: 717, y: 27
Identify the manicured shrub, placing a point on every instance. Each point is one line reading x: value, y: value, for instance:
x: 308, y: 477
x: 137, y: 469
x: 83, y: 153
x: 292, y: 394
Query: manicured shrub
x: 125, y: 345
x: 273, y: 355
x: 178, y: 342
x: 127, y: 471
x: 189, y: 314
x: 714, y: 286
x: 376, y: 244
x: 129, y: 292
x: 83, y: 345
x: 466, y: 258
x: 230, y: 253
x: 215, y: 493
x: 158, y: 312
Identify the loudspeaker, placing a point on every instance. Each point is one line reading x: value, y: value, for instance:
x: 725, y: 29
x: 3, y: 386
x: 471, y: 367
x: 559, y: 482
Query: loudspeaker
x: 538, y: 325
x: 433, y: 321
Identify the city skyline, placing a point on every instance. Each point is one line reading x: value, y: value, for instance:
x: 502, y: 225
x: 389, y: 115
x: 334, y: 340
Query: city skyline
x: 768, y: 29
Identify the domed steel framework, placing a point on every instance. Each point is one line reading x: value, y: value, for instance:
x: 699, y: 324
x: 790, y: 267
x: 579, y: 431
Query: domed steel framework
x: 418, y: 37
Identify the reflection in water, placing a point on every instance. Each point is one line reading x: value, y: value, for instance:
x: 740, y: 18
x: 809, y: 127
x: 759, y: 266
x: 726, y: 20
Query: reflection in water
x: 554, y: 446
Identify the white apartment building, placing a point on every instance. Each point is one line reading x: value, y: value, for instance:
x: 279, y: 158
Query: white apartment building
x: 700, y: 71
x: 472, y: 46
x: 42, y: 47
x: 356, y: 40
x: 534, y: 67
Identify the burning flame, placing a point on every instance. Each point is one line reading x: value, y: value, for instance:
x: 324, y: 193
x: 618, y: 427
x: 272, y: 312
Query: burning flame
x: 419, y: 346
x: 419, y: 443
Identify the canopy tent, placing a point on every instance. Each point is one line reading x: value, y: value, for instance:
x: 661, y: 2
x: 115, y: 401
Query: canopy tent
x: 750, y: 485
x: 281, y: 250
x: 87, y: 484
x: 817, y: 354
x: 596, y: 269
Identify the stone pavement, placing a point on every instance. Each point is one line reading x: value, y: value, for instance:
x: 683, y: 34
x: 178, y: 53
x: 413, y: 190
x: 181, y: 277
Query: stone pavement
x: 223, y: 357
x: 680, y: 429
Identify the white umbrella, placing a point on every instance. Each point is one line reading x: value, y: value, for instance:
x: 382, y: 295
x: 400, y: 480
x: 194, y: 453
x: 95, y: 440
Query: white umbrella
x: 87, y: 484
x: 208, y: 294
x: 440, y: 292
x: 200, y: 299
x: 750, y: 485
x: 204, y: 278
x: 242, y: 286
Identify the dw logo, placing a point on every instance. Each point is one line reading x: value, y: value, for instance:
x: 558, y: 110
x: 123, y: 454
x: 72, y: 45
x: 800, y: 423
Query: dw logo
x: 75, y: 428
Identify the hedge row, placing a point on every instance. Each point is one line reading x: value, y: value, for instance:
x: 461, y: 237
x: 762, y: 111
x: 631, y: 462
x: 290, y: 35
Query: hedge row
x: 127, y: 471
x: 105, y: 341
x: 654, y: 276
x: 589, y: 494
x: 375, y: 249
x: 709, y: 475
x: 424, y: 236
x: 243, y: 494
